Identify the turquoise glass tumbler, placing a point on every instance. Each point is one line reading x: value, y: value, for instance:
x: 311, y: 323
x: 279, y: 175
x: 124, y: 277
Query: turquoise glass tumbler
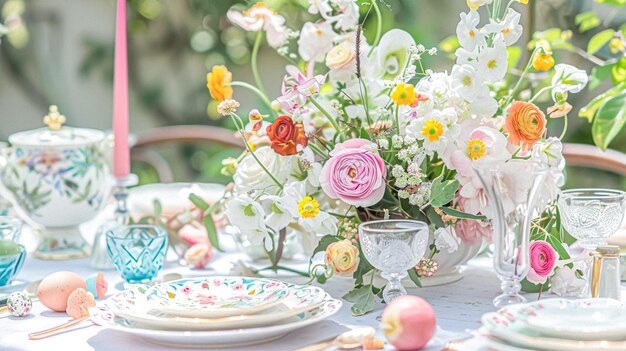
x: 137, y: 251
x: 10, y: 265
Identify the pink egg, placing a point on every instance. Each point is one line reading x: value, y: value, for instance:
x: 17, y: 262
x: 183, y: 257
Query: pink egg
x: 55, y: 288
x: 409, y: 322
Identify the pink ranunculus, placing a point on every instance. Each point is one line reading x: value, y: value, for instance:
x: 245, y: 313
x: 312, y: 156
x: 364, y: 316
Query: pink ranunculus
x: 542, y: 261
x: 355, y: 173
x: 471, y: 230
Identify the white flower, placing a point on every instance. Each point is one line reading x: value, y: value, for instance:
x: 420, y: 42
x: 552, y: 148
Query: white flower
x: 469, y: 36
x: 475, y: 4
x: 320, y: 6
x: 550, y: 155
x: 348, y: 17
x: 392, y: 53
x: 261, y: 17
x: 466, y: 81
x: 280, y: 211
x: 250, y: 176
x: 565, y: 282
x: 568, y: 78
x: 465, y: 56
x: 248, y: 216
x: 484, y: 105
x: 320, y: 223
x: 492, y: 62
x: 446, y: 239
x: 509, y: 29
x: 316, y: 40
x: 434, y: 128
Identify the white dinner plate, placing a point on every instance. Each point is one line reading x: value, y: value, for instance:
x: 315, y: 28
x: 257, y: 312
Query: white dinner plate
x: 507, y: 326
x: 130, y: 304
x: 215, y: 297
x: 212, y: 339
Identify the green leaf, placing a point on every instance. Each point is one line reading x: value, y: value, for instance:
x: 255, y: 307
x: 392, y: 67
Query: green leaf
x: 599, y: 74
x: 460, y: 214
x: 198, y: 202
x: 529, y: 287
x: 362, y: 298
x: 443, y: 191
x: 325, y: 241
x: 618, y: 71
x: 515, y: 53
x: 586, y: 21
x: 558, y: 247
x: 275, y: 209
x: 415, y: 278
x: 158, y: 209
x: 592, y: 107
x: 599, y: 40
x: 211, y: 231
x: 609, y: 120
x: 617, y: 3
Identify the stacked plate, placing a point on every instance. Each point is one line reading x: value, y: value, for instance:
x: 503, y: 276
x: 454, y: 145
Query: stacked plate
x: 215, y: 311
x: 559, y: 324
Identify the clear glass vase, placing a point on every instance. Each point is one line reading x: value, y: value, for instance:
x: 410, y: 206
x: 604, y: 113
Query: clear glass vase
x: 511, y: 208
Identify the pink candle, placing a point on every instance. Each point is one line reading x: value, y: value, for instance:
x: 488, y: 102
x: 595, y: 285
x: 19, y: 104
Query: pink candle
x: 121, y: 150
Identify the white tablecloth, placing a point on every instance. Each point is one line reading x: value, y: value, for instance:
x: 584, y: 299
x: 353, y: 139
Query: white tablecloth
x: 458, y: 308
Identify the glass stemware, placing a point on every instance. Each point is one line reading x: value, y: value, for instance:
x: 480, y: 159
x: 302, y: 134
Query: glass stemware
x: 137, y: 251
x: 393, y: 246
x: 512, y: 217
x: 591, y: 216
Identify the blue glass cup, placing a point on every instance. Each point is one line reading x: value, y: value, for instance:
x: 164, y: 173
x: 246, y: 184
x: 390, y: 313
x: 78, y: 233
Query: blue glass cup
x: 10, y: 228
x: 137, y: 251
x: 10, y: 266
x: 12, y: 254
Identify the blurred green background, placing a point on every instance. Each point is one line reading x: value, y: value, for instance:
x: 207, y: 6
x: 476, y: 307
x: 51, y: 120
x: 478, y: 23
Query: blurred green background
x: 61, y: 52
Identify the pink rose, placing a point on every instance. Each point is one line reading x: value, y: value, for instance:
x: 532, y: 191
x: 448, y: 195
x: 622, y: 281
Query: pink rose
x: 542, y: 261
x: 198, y: 255
x: 471, y: 230
x: 355, y: 173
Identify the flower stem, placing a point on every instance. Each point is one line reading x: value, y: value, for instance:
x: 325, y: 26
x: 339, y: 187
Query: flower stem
x: 325, y: 113
x: 240, y: 126
x: 253, y: 61
x: 257, y: 91
x: 283, y: 268
x: 317, y: 150
x: 564, y: 128
x: 540, y: 92
x: 379, y: 26
x: 519, y: 82
x: 397, y: 120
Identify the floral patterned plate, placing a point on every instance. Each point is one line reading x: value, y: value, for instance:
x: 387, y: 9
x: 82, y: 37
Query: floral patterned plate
x: 217, y: 338
x: 508, y: 326
x: 130, y: 304
x: 216, y: 297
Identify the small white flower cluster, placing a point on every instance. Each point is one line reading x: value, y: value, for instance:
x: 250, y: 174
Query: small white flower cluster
x: 411, y: 184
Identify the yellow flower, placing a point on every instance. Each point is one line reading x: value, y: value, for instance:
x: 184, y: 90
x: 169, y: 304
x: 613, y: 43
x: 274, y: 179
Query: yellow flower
x: 343, y: 257
x: 404, y: 94
x: 218, y: 83
x: 308, y: 207
x: 616, y: 45
x: 476, y: 149
x: 543, y: 60
x: 473, y: 5
x: 525, y: 2
x: 432, y: 130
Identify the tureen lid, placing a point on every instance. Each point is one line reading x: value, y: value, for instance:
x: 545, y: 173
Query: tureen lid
x: 56, y: 134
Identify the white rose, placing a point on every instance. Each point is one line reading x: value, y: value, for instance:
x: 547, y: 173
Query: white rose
x: 565, y: 283
x: 251, y: 176
x: 446, y: 239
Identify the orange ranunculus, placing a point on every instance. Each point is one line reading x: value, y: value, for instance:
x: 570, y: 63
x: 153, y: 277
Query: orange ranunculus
x: 285, y: 135
x: 217, y: 82
x: 525, y: 124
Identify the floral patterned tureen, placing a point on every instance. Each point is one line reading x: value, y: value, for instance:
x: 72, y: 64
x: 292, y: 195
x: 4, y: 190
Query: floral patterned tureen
x: 58, y: 178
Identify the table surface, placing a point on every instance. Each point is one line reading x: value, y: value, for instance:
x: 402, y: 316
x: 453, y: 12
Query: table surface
x: 458, y: 307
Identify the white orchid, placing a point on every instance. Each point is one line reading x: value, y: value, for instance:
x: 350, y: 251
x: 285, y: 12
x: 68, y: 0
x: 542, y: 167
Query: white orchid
x: 508, y: 29
x: 248, y: 216
x: 470, y: 37
x: 568, y: 78
x: 446, y: 239
x: 392, y: 53
x: 261, y: 17
x: 316, y: 40
x: 492, y: 62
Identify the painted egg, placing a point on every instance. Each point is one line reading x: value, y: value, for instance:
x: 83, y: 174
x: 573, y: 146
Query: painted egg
x: 19, y: 304
x: 54, y: 289
x: 409, y: 322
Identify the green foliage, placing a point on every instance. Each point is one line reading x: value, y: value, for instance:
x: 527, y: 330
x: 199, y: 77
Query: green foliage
x: 209, y: 223
x: 599, y: 74
x: 618, y: 71
x: 415, y: 278
x: 609, y: 120
x: 442, y: 191
x: 599, y: 40
x: 363, y: 299
x: 460, y: 214
x: 589, y: 111
x: 616, y: 3
x: 586, y: 21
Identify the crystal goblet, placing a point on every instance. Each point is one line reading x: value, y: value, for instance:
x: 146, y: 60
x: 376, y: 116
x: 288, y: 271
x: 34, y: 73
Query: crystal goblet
x: 393, y: 246
x: 591, y: 216
x: 137, y: 251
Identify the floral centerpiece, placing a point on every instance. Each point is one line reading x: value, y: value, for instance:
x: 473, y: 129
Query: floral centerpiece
x: 363, y: 130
